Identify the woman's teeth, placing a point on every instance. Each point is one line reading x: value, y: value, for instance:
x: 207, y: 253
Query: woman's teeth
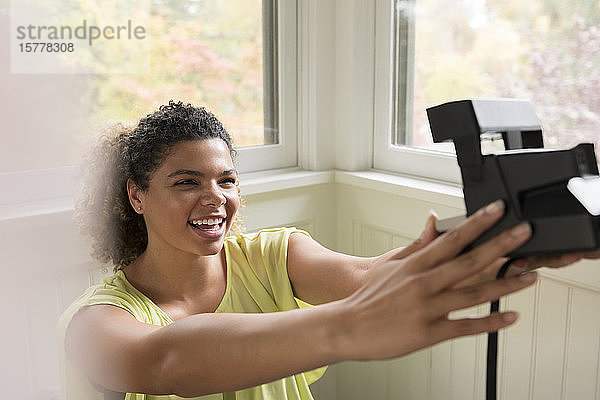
x: 207, y: 222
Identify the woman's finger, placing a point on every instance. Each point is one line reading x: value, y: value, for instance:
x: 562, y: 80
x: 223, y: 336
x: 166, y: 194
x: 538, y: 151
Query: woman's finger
x: 427, y: 236
x: 445, y: 329
x: 474, y: 295
x: 451, y: 243
x: 530, y: 263
x: 472, y: 262
x: 592, y: 254
x: 486, y: 274
x: 555, y: 261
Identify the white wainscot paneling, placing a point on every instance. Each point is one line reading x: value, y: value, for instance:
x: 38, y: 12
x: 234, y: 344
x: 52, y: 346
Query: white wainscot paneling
x: 371, y: 222
x: 311, y: 208
x: 369, y: 240
x: 552, y: 352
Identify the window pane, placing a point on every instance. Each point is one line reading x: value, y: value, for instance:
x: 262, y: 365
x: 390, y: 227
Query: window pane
x: 216, y: 53
x: 206, y: 52
x: 540, y: 50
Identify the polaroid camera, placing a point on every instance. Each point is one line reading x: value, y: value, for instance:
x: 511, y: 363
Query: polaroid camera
x: 557, y: 191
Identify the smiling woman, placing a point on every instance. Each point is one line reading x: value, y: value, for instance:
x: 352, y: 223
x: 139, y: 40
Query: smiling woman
x: 195, y: 310
x: 122, y: 165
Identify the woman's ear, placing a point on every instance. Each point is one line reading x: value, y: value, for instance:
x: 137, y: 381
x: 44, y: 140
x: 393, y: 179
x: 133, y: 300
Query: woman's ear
x: 135, y: 196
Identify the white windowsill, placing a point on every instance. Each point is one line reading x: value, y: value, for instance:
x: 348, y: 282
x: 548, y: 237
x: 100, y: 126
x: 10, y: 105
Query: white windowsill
x: 418, y: 188
x: 403, y: 185
x: 281, y: 179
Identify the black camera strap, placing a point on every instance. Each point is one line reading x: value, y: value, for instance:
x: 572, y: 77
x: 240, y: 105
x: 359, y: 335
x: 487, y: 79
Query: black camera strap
x: 492, y: 348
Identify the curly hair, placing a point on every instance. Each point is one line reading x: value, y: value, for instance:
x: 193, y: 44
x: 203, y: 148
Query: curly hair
x: 103, y: 211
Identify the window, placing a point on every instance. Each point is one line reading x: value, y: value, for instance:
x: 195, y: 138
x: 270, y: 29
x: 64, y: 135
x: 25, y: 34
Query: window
x: 393, y: 99
x: 542, y: 51
x: 219, y: 54
x: 236, y: 57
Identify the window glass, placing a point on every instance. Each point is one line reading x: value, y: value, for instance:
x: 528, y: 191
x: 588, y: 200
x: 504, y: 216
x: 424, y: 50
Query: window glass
x: 545, y: 51
x: 220, y: 54
x: 206, y: 52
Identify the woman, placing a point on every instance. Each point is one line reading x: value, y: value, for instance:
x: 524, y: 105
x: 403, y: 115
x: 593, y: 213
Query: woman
x: 191, y: 312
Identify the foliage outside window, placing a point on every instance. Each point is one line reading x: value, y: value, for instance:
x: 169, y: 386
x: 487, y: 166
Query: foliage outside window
x: 207, y: 53
x: 545, y: 51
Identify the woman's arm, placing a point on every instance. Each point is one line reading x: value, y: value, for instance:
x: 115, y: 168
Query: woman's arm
x: 319, y: 275
x: 203, y: 353
x: 402, y: 307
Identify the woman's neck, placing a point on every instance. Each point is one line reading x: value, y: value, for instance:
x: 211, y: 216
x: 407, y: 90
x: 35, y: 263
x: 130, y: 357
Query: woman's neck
x: 175, y: 277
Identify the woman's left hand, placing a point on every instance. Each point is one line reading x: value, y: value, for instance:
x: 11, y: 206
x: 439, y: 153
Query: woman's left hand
x: 518, y: 267
x: 530, y: 263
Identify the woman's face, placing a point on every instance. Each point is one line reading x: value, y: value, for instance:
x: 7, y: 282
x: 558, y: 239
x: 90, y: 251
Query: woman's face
x: 192, y: 198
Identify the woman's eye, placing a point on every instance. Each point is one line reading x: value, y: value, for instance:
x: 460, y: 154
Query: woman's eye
x: 186, y: 182
x: 229, y: 181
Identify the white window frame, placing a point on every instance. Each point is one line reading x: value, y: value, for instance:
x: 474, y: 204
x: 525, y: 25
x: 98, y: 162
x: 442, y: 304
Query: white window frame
x: 387, y: 156
x: 285, y: 153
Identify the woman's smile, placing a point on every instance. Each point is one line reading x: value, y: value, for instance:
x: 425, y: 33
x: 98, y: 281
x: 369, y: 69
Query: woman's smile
x: 209, y: 227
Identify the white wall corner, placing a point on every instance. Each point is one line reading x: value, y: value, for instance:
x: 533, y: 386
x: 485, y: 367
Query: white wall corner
x: 354, y: 82
x: 316, y: 96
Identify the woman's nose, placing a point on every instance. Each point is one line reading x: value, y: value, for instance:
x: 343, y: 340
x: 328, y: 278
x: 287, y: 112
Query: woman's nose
x: 213, y: 196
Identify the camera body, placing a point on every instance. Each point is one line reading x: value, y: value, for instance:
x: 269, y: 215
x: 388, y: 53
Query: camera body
x: 554, y: 190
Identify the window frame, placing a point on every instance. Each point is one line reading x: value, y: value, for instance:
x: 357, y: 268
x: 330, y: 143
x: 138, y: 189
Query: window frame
x: 387, y: 156
x: 284, y: 153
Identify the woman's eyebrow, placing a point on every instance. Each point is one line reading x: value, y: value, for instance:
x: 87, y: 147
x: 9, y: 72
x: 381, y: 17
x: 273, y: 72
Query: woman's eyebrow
x: 229, y: 172
x: 198, y: 173
x: 185, y: 172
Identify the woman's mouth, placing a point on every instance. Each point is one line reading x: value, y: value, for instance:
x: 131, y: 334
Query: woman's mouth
x: 208, y: 227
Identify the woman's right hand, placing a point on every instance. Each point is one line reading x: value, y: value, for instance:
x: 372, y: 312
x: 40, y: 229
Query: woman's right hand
x: 405, y: 305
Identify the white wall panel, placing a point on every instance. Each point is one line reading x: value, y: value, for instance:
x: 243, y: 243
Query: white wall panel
x: 581, y: 366
x: 311, y: 208
x: 369, y: 240
x: 552, y: 352
x: 550, y: 341
x: 379, y: 214
x: 441, y: 366
x: 466, y: 361
x: 516, y: 366
x: 410, y: 376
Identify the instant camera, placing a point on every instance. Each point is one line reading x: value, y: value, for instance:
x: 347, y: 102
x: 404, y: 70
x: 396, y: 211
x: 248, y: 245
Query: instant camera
x: 557, y: 191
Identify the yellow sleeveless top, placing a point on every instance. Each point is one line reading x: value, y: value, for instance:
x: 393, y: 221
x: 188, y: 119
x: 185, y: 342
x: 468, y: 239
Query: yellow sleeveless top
x: 257, y: 282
